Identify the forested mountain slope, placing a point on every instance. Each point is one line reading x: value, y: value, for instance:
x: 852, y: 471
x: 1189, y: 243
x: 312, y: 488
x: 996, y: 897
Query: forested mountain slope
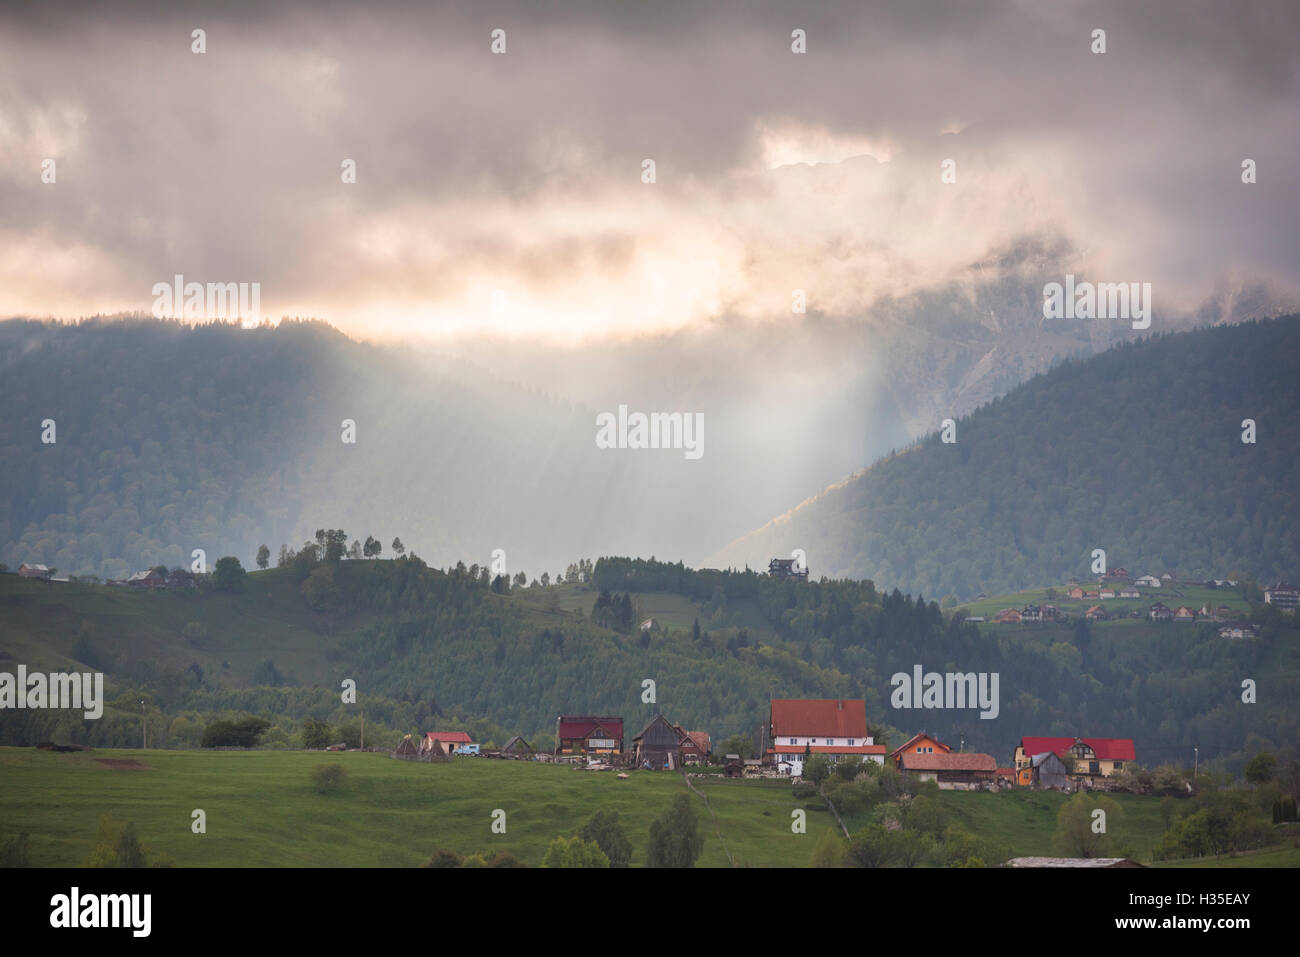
x: 1138, y: 451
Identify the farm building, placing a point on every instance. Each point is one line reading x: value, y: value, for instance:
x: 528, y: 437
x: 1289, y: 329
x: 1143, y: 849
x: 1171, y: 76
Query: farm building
x: 658, y: 746
x: 590, y: 735
x: 517, y: 747
x: 149, y: 578
x: 952, y: 772
x: 1045, y: 771
x: 446, y: 741
x: 407, y: 749
x: 33, y: 570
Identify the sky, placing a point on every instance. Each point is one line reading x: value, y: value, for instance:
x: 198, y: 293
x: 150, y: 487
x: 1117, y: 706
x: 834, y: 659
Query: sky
x: 503, y: 194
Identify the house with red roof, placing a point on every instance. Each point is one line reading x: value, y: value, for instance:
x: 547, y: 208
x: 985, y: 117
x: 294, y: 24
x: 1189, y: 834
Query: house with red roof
x: 589, y: 735
x: 696, y: 745
x: 834, y: 727
x: 446, y: 741
x: 921, y: 743
x: 1089, y: 760
x: 963, y: 771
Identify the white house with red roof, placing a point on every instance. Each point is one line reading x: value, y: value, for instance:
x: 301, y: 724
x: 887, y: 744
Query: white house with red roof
x: 834, y: 727
x: 1094, y: 759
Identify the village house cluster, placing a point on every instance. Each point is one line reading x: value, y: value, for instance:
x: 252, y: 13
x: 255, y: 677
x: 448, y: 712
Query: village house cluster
x: 1118, y: 584
x: 798, y: 729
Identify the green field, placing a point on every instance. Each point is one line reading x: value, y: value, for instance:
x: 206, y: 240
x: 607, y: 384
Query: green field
x: 1172, y: 594
x: 263, y: 811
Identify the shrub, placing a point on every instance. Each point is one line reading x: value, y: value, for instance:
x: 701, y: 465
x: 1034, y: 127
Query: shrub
x: 329, y: 778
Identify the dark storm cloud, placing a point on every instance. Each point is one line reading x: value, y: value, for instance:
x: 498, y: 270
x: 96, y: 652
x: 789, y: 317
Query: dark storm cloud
x: 228, y: 164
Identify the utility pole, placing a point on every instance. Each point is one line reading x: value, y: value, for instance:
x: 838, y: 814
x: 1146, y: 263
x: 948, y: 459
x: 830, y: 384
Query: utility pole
x: 1196, y: 762
x: 363, y: 729
x: 144, y: 732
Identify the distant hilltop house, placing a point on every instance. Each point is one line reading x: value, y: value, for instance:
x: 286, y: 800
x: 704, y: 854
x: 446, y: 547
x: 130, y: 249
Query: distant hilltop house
x: 1105, y: 594
x: 1007, y: 615
x: 34, y: 570
x: 834, y: 727
x: 1149, y: 581
x: 1160, y: 612
x: 648, y: 624
x: 584, y: 735
x: 1051, y: 613
x: 1283, y: 595
x: 1129, y: 593
x: 1095, y: 613
x: 149, y: 578
x: 1031, y: 614
x: 1094, y: 759
x: 786, y: 568
x: 1118, y: 574
x: 1220, y: 583
x: 1184, y: 614
x: 445, y: 741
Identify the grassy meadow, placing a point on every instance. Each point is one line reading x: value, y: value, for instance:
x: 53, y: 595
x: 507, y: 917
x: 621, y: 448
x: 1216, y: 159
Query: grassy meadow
x: 262, y: 810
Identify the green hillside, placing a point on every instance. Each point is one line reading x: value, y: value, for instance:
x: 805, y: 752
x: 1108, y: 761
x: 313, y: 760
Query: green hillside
x: 430, y: 648
x: 1138, y: 451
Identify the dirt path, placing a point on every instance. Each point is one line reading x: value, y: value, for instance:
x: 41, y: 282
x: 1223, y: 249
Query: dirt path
x: 716, y: 830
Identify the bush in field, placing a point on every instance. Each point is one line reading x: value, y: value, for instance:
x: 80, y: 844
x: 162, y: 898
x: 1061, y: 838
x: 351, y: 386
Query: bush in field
x: 116, y: 846
x: 329, y: 778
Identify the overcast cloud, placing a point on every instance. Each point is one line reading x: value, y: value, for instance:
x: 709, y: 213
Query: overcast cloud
x: 522, y: 172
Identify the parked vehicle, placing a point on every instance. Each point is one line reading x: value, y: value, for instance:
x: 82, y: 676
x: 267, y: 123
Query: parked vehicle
x: 467, y: 750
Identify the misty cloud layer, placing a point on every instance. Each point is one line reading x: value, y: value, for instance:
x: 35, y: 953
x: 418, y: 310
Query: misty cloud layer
x: 521, y: 172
